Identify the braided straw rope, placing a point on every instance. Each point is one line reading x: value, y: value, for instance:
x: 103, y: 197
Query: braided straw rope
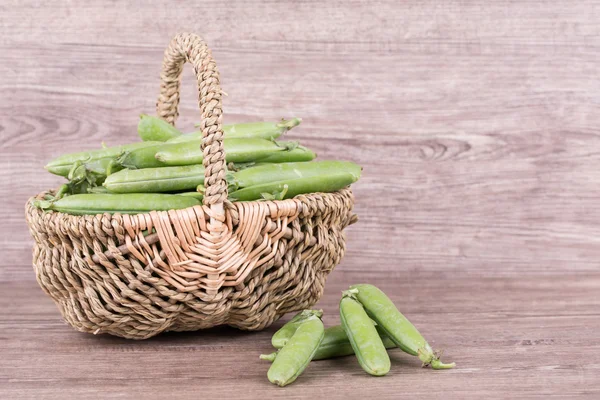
x: 244, y: 264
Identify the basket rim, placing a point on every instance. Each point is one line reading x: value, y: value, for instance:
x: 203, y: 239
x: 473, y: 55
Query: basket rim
x: 297, y: 200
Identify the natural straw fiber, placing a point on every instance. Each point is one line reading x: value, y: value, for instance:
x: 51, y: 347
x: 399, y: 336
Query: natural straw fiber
x: 242, y: 264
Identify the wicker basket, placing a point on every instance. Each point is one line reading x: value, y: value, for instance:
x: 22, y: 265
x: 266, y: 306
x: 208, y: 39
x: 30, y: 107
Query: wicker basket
x: 243, y: 264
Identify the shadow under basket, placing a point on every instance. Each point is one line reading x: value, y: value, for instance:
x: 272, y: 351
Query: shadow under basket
x: 243, y: 264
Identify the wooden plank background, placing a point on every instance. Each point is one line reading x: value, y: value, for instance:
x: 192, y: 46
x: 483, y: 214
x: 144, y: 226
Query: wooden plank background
x: 478, y: 126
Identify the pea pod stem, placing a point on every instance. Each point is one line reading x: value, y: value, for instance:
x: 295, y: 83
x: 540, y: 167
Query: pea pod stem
x: 437, y: 364
x: 326, y: 183
x: 265, y: 173
x: 189, y: 153
x: 289, y: 124
x: 269, y: 357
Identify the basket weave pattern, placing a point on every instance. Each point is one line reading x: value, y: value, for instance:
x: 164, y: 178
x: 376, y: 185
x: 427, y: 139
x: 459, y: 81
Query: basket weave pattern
x: 243, y: 264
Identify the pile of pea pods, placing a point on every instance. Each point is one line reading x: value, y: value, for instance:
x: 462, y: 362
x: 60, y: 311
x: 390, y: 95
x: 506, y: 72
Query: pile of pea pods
x: 370, y: 324
x: 165, y: 170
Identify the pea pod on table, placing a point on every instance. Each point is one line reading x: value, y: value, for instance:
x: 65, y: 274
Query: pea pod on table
x: 189, y: 153
x: 284, y: 334
x: 299, y: 350
x: 336, y: 344
x: 364, y: 338
x: 383, y: 311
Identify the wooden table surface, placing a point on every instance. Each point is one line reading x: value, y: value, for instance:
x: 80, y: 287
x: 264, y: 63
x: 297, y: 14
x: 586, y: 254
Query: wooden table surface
x: 478, y: 126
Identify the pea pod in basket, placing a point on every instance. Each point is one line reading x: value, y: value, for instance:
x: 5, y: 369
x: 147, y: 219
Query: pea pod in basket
x: 131, y: 203
x: 152, y: 128
x: 155, y: 180
x: 95, y: 160
x: 189, y: 153
x: 265, y: 130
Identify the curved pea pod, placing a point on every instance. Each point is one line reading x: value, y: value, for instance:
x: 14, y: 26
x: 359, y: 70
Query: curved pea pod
x: 364, y: 338
x: 95, y: 160
x: 152, y: 128
x: 155, y: 180
x: 383, y: 311
x: 295, y: 356
x: 298, y: 154
x: 237, y: 150
x: 281, y: 337
x: 131, y: 203
x: 265, y: 173
x: 265, y: 130
x: 329, y: 182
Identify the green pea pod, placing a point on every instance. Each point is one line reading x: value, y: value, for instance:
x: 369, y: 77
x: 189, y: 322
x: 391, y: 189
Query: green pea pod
x: 383, y: 311
x: 281, y: 337
x: 236, y: 150
x: 364, y: 338
x: 95, y: 160
x: 336, y: 344
x: 155, y: 180
x: 298, y: 154
x: 295, y: 356
x: 327, y: 182
x: 196, y: 195
x: 144, y: 157
x: 265, y: 130
x: 98, y: 189
x: 265, y: 173
x: 156, y: 129
x: 132, y: 203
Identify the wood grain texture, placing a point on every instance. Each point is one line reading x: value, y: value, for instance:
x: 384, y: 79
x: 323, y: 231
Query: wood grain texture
x: 478, y: 126
x: 511, y: 338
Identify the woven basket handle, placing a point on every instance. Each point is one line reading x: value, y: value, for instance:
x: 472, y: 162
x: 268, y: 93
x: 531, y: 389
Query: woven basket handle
x: 187, y: 47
